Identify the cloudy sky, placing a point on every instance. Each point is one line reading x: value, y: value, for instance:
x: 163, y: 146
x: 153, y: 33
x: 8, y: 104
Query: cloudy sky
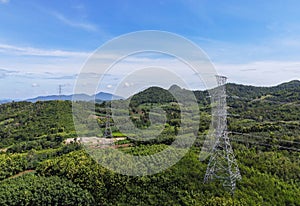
x: 44, y: 44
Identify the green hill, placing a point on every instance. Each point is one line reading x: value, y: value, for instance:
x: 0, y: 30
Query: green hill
x: 265, y: 135
x: 24, y: 121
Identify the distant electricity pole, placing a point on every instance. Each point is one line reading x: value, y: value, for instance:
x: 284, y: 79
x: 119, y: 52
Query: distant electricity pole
x: 107, y: 131
x: 60, y: 90
x: 222, y: 164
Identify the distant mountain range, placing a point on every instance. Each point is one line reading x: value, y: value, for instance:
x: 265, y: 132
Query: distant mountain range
x: 101, y: 96
x: 288, y: 92
x: 3, y: 101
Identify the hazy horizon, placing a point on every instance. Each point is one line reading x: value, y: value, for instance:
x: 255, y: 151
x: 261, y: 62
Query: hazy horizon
x: 68, y: 94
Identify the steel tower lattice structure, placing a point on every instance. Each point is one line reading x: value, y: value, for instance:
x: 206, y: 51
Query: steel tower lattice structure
x: 107, y: 131
x: 222, y: 164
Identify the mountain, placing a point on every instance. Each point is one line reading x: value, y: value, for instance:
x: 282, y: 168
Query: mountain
x: 152, y: 95
x: 287, y: 92
x: 263, y: 125
x: 283, y: 93
x: 160, y: 95
x: 3, y: 101
x: 106, y: 96
x: 101, y: 96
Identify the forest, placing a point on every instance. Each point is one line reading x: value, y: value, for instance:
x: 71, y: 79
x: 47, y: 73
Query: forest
x: 38, y: 167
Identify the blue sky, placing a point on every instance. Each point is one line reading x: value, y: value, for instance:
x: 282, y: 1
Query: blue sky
x: 45, y: 43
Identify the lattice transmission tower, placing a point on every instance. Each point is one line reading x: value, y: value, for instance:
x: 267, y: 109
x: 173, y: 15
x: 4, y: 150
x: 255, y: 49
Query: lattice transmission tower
x: 107, y: 131
x: 222, y: 164
x: 60, y: 90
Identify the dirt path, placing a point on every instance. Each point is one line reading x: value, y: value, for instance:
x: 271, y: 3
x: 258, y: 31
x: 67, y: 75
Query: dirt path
x: 3, y: 150
x: 21, y: 173
x: 122, y: 145
x: 112, y: 146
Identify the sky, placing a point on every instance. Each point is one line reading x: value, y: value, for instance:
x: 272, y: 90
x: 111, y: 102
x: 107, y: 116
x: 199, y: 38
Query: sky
x: 44, y: 44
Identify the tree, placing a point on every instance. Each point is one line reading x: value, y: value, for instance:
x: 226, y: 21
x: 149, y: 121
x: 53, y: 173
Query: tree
x: 33, y: 190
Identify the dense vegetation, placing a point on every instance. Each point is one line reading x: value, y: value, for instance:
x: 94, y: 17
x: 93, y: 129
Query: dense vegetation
x: 182, y: 184
x: 264, y: 122
x: 47, y: 121
x: 37, y: 190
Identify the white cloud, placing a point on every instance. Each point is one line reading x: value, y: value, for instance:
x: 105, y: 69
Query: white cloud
x: 35, y: 85
x: 4, y: 1
x: 5, y: 73
x: 261, y: 73
x: 33, y: 63
x: 128, y: 84
x: 82, y: 25
x: 17, y: 50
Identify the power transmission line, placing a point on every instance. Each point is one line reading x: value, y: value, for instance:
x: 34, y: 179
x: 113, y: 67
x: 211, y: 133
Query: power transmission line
x: 261, y: 137
x: 265, y: 144
x: 259, y: 143
x: 266, y: 100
